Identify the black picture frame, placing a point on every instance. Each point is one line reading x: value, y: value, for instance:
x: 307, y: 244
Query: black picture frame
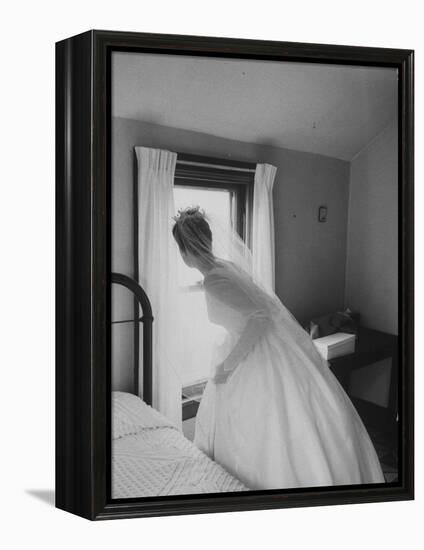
x: 83, y: 150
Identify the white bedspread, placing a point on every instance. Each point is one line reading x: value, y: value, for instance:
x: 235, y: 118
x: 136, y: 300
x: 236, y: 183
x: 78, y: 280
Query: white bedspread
x: 151, y: 457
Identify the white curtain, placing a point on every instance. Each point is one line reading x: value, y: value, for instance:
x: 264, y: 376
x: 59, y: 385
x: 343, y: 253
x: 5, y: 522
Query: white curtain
x: 158, y: 261
x: 263, y: 244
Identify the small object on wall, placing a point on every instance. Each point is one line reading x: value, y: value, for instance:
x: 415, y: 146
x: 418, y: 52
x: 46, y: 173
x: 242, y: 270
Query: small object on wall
x: 322, y: 214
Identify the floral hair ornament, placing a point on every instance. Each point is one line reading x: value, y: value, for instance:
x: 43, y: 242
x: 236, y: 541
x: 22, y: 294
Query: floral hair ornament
x: 189, y: 212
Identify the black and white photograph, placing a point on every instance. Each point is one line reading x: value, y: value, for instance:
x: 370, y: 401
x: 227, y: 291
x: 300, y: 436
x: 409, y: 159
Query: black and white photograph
x: 210, y: 241
x: 254, y: 300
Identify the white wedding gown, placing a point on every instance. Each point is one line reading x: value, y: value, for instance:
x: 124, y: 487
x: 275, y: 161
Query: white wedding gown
x: 281, y: 420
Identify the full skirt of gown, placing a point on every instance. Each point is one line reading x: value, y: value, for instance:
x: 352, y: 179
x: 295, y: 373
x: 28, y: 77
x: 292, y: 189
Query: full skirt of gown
x: 282, y: 420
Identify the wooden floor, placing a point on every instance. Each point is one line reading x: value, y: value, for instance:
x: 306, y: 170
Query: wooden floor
x: 386, y: 447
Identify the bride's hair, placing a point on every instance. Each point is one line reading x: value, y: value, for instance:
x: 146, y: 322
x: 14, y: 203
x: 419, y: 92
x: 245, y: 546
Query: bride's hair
x: 192, y: 231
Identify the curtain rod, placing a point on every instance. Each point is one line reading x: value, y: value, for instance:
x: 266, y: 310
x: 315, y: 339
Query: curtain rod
x: 220, y: 166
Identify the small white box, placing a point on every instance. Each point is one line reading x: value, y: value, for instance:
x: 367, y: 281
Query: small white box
x: 335, y: 345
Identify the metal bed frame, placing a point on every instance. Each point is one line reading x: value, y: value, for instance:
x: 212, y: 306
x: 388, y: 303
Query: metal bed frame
x: 141, y: 300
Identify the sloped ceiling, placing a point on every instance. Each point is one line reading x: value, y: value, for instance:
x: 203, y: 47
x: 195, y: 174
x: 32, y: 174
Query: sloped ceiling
x: 331, y: 110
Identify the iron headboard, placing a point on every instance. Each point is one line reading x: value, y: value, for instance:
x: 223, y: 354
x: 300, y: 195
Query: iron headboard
x: 147, y: 319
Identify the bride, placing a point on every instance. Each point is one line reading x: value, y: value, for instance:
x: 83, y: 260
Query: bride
x: 273, y: 414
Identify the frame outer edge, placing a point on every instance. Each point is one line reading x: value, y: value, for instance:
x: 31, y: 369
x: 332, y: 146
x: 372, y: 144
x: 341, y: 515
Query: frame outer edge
x: 407, y: 268
x: 74, y: 424
x: 82, y: 270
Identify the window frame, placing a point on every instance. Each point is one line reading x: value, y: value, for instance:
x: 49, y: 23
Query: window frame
x: 237, y: 177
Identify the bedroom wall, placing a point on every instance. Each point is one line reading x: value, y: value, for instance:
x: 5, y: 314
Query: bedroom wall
x: 372, y: 258
x: 310, y: 256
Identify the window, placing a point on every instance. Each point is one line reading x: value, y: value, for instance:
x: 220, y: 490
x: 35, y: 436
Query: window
x: 213, y: 201
x: 235, y: 179
x: 224, y: 189
x: 221, y: 188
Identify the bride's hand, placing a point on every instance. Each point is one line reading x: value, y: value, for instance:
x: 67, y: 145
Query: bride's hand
x: 221, y: 375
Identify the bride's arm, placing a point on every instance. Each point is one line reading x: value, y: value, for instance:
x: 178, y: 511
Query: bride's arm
x: 256, y: 326
x: 248, y: 305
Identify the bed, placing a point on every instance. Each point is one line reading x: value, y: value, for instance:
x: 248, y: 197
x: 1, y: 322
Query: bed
x: 150, y: 456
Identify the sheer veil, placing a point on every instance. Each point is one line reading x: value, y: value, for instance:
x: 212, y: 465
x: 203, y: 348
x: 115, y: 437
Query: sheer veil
x: 229, y: 280
x: 267, y: 365
x: 205, y: 237
x: 227, y: 261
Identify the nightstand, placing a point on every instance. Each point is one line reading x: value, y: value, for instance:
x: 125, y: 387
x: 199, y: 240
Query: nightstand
x: 371, y: 346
